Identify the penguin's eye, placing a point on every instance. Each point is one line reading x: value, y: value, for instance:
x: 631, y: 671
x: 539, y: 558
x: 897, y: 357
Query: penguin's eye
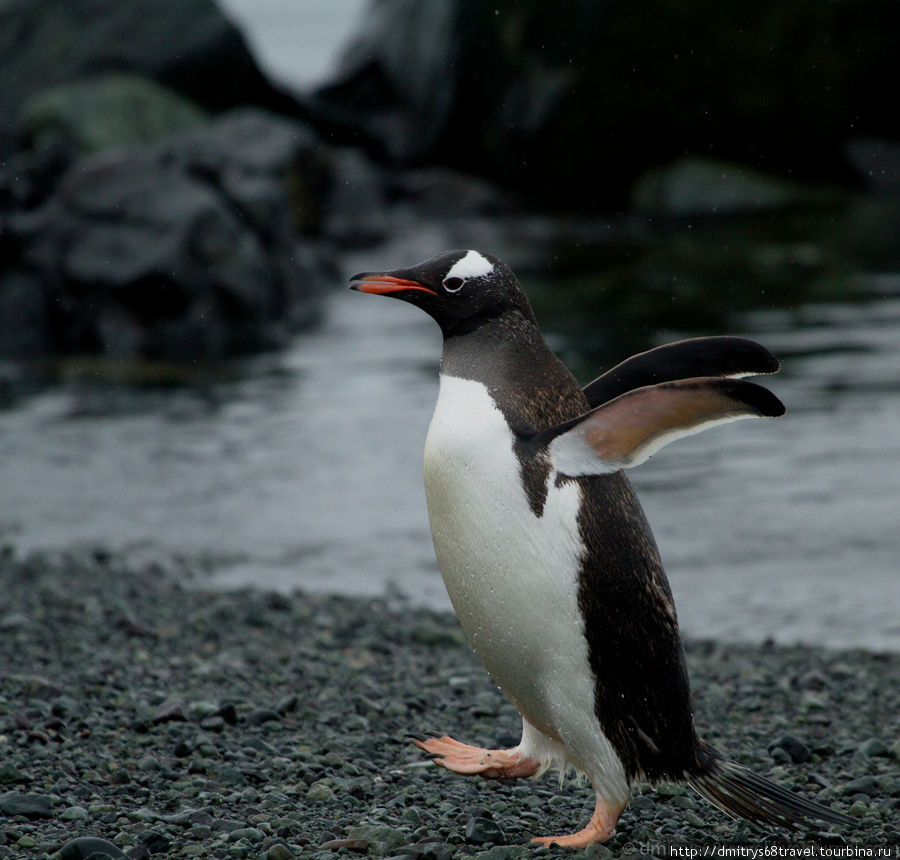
x: 453, y: 285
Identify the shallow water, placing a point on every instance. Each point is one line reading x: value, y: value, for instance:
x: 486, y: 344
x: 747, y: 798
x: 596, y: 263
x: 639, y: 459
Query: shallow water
x: 303, y: 469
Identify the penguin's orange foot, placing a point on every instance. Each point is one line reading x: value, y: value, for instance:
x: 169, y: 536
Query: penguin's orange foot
x: 469, y: 760
x: 600, y: 828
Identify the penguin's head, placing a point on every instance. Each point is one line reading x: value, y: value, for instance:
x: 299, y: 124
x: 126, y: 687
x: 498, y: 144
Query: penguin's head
x: 459, y: 289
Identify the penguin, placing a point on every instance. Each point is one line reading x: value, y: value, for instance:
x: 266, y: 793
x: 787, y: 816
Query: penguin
x: 546, y: 553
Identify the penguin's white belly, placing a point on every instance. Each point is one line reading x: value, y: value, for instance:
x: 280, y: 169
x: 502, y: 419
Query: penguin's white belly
x: 512, y: 576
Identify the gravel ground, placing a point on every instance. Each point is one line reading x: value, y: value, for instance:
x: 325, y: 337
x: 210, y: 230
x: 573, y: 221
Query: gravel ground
x: 169, y: 720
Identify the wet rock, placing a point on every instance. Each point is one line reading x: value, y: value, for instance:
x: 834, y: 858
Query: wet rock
x: 9, y: 773
x: 157, y: 843
x: 542, y: 84
x: 862, y: 785
x: 228, y: 713
x: 103, y: 112
x: 287, y: 704
x: 37, y: 686
x: 29, y: 805
x: 172, y: 710
x: 319, y: 792
x: 480, y: 830
x: 358, y: 201
x: 229, y: 775
x: 186, y: 45
x: 251, y: 834
x: 25, y: 328
x: 224, y: 825
x: 780, y: 755
x: 190, y: 249
x: 693, y: 186
x: 381, y: 838
x: 874, y: 747
x: 91, y: 848
x: 796, y: 750
x: 360, y: 846
x: 258, y: 716
x: 858, y: 809
x: 812, y: 679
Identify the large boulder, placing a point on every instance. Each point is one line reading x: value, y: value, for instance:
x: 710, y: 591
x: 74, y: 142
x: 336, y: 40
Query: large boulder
x: 198, y: 247
x: 104, y: 112
x: 186, y: 45
x: 570, y: 102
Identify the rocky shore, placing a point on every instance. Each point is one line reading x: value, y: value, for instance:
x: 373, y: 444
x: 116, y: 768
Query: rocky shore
x: 140, y: 709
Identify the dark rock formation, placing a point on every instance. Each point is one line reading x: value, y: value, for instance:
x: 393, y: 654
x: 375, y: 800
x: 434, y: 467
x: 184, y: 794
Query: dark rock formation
x: 186, y: 45
x: 194, y: 248
x: 571, y: 102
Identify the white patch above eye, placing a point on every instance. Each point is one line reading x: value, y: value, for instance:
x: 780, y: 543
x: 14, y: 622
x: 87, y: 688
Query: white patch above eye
x: 471, y: 265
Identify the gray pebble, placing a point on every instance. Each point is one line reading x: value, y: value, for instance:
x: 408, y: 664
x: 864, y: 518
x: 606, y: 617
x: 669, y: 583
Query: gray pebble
x: 780, y: 755
x: 812, y: 679
x: 9, y: 773
x: 251, y: 834
x: 29, y: 805
x: 319, y: 792
x: 683, y: 801
x: 381, y: 837
x: 168, y: 711
x: 481, y: 830
x: 225, y: 825
x: 863, y: 785
x: 287, y: 704
x: 156, y: 842
x: 858, y: 809
x: 262, y: 715
x: 796, y: 750
x: 874, y: 747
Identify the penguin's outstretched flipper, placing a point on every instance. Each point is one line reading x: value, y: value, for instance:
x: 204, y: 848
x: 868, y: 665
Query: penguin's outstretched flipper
x: 625, y: 431
x: 742, y: 793
x: 699, y: 356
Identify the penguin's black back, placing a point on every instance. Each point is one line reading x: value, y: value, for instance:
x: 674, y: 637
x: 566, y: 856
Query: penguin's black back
x: 634, y: 646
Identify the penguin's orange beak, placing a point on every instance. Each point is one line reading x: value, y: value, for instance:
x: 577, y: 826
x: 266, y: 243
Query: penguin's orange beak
x: 370, y: 282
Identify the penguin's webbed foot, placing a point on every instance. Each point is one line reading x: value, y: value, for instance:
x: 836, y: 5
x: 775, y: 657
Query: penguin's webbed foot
x: 476, y: 761
x: 600, y: 828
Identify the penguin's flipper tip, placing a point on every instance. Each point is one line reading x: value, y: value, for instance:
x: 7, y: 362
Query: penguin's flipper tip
x: 724, y: 356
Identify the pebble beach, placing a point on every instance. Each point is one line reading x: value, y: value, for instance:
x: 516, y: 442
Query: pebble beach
x: 142, y: 714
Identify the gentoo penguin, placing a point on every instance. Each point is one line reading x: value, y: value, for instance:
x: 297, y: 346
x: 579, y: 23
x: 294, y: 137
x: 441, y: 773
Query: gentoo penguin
x: 545, y: 551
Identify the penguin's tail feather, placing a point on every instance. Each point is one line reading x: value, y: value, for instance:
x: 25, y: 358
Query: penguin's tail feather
x: 742, y: 793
